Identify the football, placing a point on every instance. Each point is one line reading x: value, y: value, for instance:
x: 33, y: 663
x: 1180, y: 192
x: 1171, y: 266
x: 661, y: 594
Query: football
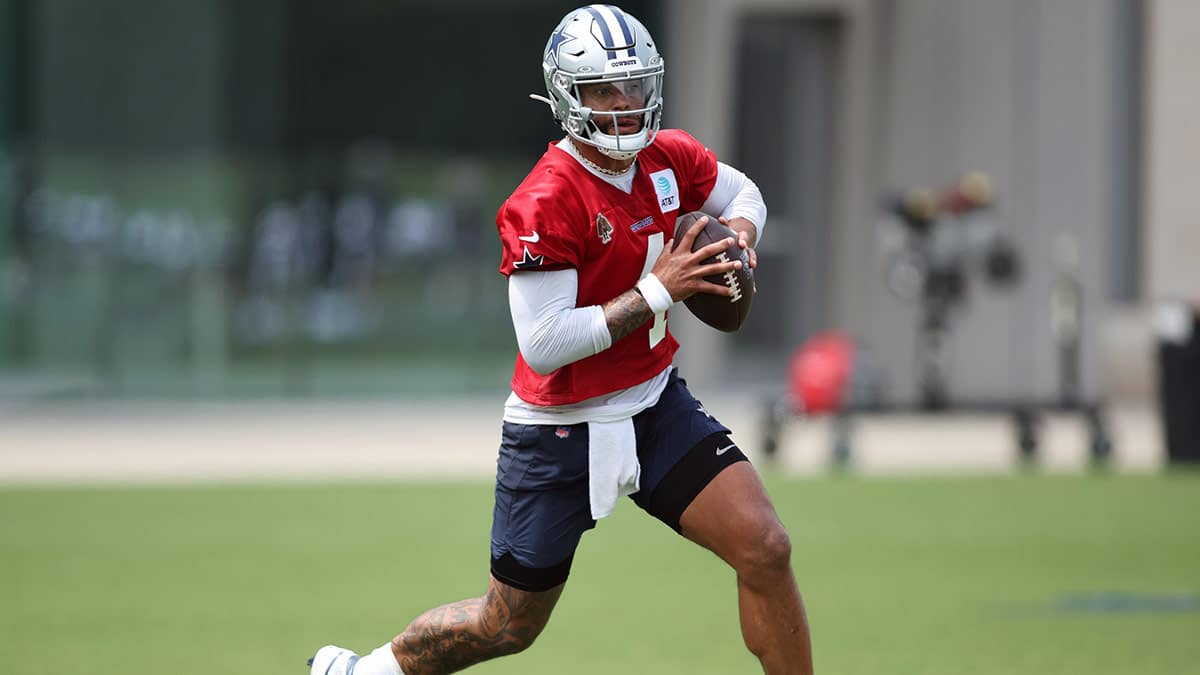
x: 725, y: 313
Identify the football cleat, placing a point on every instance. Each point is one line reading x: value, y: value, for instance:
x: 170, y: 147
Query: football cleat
x: 332, y: 660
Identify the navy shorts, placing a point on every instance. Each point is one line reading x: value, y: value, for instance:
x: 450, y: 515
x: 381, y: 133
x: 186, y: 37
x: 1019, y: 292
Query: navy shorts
x: 542, y: 506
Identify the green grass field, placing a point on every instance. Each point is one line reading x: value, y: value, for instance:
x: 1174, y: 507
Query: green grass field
x: 950, y: 576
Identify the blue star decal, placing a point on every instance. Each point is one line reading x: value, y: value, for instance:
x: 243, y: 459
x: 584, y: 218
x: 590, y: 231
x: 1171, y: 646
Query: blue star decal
x: 558, y: 39
x: 529, y: 260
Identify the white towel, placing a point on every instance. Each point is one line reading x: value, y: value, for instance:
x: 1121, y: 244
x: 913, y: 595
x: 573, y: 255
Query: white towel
x: 613, y: 469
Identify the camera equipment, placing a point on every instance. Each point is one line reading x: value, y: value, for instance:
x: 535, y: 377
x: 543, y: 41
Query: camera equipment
x: 940, y: 241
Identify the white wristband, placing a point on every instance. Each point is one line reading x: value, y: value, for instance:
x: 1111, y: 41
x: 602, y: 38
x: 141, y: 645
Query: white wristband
x: 656, y: 295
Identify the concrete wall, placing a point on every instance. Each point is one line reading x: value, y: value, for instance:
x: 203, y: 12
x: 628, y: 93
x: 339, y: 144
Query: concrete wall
x: 1172, y: 151
x: 1021, y: 90
x: 1026, y: 90
x: 701, y: 100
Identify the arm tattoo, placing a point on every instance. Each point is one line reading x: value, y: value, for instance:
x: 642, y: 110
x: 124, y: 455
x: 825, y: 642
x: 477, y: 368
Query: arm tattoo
x: 625, y: 313
x: 455, y: 636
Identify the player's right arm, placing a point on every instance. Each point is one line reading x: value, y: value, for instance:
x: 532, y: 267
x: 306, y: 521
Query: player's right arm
x: 552, y: 332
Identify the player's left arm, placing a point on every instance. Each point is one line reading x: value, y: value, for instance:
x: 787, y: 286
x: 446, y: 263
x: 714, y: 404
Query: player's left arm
x: 738, y: 204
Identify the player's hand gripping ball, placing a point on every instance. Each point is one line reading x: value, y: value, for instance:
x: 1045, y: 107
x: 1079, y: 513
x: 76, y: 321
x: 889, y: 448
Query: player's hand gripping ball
x: 725, y: 313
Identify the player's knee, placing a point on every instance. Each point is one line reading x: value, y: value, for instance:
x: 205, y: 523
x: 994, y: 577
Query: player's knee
x: 768, y: 552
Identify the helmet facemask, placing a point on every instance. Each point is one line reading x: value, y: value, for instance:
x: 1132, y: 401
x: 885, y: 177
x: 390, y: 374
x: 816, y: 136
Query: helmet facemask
x: 617, y: 115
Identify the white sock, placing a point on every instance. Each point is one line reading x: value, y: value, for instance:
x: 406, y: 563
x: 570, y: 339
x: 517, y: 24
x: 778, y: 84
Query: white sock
x: 379, y: 662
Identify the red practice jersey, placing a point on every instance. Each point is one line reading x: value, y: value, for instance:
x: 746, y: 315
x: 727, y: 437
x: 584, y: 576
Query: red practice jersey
x: 562, y: 216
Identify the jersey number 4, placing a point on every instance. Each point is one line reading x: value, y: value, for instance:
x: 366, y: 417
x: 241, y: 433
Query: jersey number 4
x: 654, y: 248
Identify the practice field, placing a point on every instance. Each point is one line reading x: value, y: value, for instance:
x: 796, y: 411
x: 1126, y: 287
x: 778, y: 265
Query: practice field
x: 1064, y: 575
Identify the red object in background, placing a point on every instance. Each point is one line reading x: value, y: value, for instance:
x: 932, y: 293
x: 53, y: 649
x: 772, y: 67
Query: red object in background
x: 819, y: 372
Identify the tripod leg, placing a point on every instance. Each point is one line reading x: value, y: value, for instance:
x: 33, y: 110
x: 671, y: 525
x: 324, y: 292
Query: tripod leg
x: 771, y: 427
x: 843, y: 429
x: 1101, y: 439
x: 1025, y: 424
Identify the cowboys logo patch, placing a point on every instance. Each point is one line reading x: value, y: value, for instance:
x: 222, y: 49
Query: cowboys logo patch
x: 603, y: 228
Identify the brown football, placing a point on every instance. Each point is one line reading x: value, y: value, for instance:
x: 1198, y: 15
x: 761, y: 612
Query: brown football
x: 725, y: 313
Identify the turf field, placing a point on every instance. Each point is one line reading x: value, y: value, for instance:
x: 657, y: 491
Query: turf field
x: 1063, y: 575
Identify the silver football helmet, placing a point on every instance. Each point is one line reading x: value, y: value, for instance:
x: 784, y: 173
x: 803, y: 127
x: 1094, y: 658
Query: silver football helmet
x: 604, y: 78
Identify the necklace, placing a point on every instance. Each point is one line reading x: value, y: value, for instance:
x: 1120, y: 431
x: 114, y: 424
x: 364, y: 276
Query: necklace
x: 607, y: 172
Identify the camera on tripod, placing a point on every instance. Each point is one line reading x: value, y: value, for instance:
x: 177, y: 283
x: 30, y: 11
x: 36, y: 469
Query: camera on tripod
x: 936, y: 242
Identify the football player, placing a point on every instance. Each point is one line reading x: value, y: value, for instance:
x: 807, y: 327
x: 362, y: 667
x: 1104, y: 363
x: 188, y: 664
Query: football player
x: 597, y: 411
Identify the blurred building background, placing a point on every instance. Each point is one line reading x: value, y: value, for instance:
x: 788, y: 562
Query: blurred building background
x: 221, y: 198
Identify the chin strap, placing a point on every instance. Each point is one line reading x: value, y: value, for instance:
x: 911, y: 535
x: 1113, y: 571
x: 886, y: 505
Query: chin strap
x: 543, y: 99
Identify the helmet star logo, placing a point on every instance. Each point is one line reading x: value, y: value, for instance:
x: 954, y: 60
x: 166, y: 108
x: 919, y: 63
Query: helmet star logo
x: 557, y: 40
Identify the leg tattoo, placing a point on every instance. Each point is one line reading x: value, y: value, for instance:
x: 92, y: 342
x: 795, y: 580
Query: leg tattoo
x: 452, y: 637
